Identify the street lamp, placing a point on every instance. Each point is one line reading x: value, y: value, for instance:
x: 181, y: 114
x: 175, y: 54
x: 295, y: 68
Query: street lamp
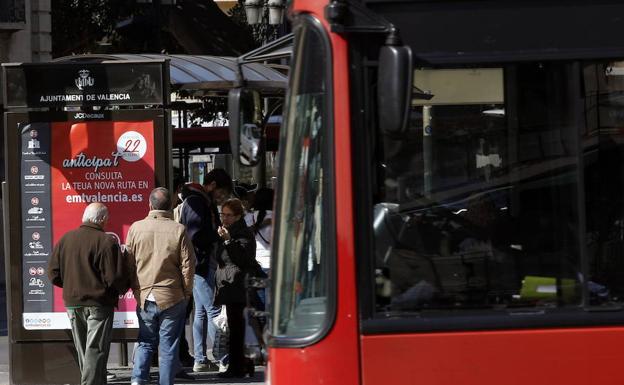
x: 255, y: 11
x: 276, y: 11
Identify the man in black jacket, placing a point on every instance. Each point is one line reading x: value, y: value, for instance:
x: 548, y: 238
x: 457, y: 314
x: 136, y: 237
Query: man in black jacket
x: 87, y: 264
x: 200, y: 216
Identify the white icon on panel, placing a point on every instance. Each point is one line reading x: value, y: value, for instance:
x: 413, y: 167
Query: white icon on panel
x: 35, y: 245
x: 34, y: 143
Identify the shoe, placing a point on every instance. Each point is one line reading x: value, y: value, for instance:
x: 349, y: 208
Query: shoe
x: 205, y: 367
x: 222, y: 367
x: 232, y: 374
x: 183, y: 375
x: 251, y: 368
x: 187, y: 361
x: 110, y: 376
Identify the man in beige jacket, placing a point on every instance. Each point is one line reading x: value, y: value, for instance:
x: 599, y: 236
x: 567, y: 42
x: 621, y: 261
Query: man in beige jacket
x: 164, y: 266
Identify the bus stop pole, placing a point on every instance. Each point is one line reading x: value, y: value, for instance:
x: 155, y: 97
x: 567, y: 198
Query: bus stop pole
x: 123, y: 354
x: 259, y: 171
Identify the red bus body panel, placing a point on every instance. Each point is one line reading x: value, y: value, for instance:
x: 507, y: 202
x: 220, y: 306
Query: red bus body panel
x: 334, y: 359
x: 535, y: 357
x: 571, y: 356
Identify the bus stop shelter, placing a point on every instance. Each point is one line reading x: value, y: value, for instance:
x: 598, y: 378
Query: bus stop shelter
x: 196, y: 76
x: 63, y: 117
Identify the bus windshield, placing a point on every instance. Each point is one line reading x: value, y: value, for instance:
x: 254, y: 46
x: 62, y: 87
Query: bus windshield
x: 302, y: 232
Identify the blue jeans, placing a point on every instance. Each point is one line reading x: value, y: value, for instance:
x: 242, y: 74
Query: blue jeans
x: 158, y: 329
x: 203, y: 326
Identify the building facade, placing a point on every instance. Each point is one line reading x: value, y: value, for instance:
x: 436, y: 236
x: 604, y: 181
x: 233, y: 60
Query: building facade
x: 25, y: 31
x: 25, y: 36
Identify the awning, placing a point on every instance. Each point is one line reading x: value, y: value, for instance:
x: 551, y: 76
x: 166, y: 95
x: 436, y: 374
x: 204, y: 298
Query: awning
x: 201, y: 75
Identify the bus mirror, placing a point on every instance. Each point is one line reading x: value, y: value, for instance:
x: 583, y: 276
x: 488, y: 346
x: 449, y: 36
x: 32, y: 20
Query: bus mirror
x: 394, y: 87
x: 245, y: 115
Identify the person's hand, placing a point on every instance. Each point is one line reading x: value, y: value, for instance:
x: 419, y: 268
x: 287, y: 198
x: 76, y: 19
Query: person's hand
x: 223, y: 233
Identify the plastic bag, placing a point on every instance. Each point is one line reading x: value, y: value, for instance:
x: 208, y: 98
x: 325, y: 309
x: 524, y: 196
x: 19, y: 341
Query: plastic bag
x: 221, y: 320
x: 221, y: 344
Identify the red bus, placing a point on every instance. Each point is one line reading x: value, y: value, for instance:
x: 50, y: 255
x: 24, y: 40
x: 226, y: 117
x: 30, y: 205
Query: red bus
x: 450, y: 205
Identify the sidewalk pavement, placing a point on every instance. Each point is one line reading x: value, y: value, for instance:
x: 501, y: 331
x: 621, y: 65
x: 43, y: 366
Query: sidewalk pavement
x: 123, y: 373
x: 123, y: 378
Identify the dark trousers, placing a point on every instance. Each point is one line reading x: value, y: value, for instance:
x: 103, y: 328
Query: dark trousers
x: 236, y: 325
x: 185, y: 356
x: 92, y: 328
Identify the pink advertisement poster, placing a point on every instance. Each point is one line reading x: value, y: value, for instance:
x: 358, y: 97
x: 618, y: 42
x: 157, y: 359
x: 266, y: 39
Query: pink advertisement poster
x: 103, y: 161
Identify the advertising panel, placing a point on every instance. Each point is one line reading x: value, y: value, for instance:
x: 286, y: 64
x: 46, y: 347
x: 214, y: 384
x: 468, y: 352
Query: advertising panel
x: 74, y: 133
x: 65, y: 166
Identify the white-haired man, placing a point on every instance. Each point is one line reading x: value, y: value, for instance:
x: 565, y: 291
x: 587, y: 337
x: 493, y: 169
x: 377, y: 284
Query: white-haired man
x: 87, y: 264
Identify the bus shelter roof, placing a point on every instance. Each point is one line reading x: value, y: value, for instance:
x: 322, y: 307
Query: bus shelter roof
x: 200, y: 75
x: 281, y: 48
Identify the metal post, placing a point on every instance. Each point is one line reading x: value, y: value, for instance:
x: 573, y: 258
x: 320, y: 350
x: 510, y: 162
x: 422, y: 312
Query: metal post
x: 427, y: 114
x: 123, y: 354
x: 577, y: 123
x: 185, y: 164
x: 259, y: 171
x: 236, y: 169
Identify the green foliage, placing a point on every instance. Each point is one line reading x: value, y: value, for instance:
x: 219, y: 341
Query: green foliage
x: 237, y: 15
x: 262, y: 33
x: 79, y: 25
x: 125, y: 26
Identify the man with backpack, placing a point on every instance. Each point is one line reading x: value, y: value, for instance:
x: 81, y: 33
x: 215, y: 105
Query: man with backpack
x: 200, y: 215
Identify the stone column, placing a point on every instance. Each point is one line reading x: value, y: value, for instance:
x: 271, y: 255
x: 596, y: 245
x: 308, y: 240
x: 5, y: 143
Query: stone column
x: 41, y: 27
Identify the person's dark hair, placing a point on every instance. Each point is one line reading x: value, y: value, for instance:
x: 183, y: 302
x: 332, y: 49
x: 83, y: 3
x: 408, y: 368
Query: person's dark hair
x: 190, y: 188
x: 185, y: 192
x: 264, y: 199
x: 160, y: 199
x: 220, y: 177
x: 262, y: 203
x: 178, y: 183
x: 235, y: 205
